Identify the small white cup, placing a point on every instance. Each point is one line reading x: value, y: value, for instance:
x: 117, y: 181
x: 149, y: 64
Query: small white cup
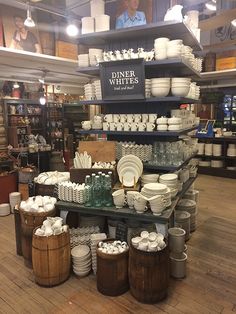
x: 127, y: 126
x: 106, y: 126
x: 134, y: 126
x: 123, y: 118
x: 145, y: 117
x: 119, y: 126
x: 130, y: 118
x: 116, y: 118
x: 108, y: 118
x: 150, y: 127
x: 142, y: 127
x: 112, y: 126
x: 137, y: 118
x: 152, y: 117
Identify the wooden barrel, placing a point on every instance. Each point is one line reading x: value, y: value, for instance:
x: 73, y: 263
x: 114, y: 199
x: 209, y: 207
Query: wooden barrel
x: 47, y: 41
x: 44, y: 190
x: 18, y: 231
x: 51, y: 259
x: 29, y: 221
x: 149, y: 274
x: 8, y: 184
x: 112, y: 273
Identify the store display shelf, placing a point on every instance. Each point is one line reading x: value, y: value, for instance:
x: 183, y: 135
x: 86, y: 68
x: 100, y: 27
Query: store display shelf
x: 168, y: 168
x: 218, y: 172
x: 186, y: 186
x: 16, y: 115
x: 178, y: 65
x: 136, y: 133
x: 22, y: 101
x: 172, y: 30
x: 210, y: 157
x: 160, y: 100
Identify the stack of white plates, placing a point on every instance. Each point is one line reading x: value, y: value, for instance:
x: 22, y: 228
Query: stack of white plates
x: 180, y: 86
x: 102, y: 23
x: 169, y: 179
x: 81, y: 257
x: 83, y: 60
x: 149, y: 178
x: 95, y: 239
x: 97, y: 7
x: 204, y: 163
x: 160, y: 47
x: 5, y: 209
x: 95, y: 55
x: 231, y: 151
x: 129, y: 169
x: 15, y: 199
x: 190, y: 207
x: 231, y: 168
x: 153, y: 189
x: 217, y: 148
x: 208, y: 149
x: 89, y: 91
x: 201, y: 148
x: 98, y: 89
x: 148, y: 88
x: 174, y: 48
x: 160, y: 87
x: 217, y: 163
x: 88, y: 25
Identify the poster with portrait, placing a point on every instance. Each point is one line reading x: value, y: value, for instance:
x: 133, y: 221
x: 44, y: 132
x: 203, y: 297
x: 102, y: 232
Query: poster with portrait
x: 129, y: 13
x: 16, y: 34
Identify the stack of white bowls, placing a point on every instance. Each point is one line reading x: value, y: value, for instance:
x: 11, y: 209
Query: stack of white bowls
x: 231, y: 150
x: 217, y: 163
x: 149, y: 178
x: 174, y: 48
x: 190, y: 207
x: 208, y: 149
x: 175, y: 124
x: 95, y: 55
x: 171, y: 181
x: 5, y: 209
x: 160, y: 47
x: 83, y: 60
x: 158, y: 204
x: 194, y: 91
x: 153, y: 189
x: 88, y: 25
x: 15, y: 199
x: 204, y: 163
x: 147, y: 88
x: 97, y: 7
x: 89, y: 91
x: 160, y: 87
x: 95, y: 239
x: 81, y: 257
x: 201, y: 148
x: 98, y: 89
x: 162, y: 124
x: 180, y: 86
x: 102, y: 23
x: 217, y: 149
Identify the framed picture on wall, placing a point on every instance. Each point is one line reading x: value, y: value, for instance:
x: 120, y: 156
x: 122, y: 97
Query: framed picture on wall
x: 129, y: 13
x: 16, y: 34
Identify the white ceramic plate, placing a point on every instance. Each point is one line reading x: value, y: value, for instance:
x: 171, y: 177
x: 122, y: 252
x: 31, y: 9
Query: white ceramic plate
x: 129, y: 176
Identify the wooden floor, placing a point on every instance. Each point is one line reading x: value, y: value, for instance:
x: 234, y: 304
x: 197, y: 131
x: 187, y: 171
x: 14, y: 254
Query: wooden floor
x: 210, y: 285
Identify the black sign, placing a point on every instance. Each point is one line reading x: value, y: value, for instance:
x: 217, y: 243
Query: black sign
x: 123, y: 80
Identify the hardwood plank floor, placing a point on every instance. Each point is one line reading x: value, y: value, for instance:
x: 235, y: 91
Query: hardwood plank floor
x: 210, y: 285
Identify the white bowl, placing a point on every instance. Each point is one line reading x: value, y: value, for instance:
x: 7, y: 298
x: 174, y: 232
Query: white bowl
x: 160, y: 92
x: 180, y: 91
x: 160, y: 80
x: 180, y: 80
x: 162, y: 127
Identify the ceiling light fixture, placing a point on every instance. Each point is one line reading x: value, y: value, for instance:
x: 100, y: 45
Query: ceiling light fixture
x: 29, y: 22
x: 211, y: 5
x: 233, y: 22
x: 42, y: 101
x: 16, y: 85
x: 72, y: 30
x: 41, y: 80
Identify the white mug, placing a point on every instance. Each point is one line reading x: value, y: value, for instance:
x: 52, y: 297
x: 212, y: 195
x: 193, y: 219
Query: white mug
x: 130, y: 117
x: 108, y: 118
x: 116, y: 117
x: 112, y: 126
x: 106, y: 126
x: 150, y: 127
x: 127, y: 126
x: 134, y: 126
x: 152, y: 117
x: 123, y: 118
x: 144, y: 117
x: 137, y: 118
x: 142, y: 127
x: 119, y: 126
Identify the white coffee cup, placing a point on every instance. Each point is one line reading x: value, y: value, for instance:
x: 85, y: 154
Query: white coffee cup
x: 116, y: 118
x: 130, y: 198
x: 108, y: 117
x: 145, y: 117
x: 123, y: 118
x: 112, y: 126
x: 142, y: 127
x: 106, y: 126
x: 150, y: 127
x: 134, y: 126
x: 152, y: 117
x: 137, y: 118
x: 119, y: 126
x: 127, y: 126
x: 130, y: 118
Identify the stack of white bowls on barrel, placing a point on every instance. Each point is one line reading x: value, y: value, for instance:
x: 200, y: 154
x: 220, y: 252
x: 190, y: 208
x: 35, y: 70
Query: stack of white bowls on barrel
x: 201, y: 148
x: 98, y: 89
x: 160, y: 87
x: 83, y: 60
x: 102, y: 23
x: 208, y: 149
x: 231, y: 151
x: 89, y: 91
x: 217, y: 149
x: 174, y: 48
x: 95, y: 55
x: 180, y: 86
x: 88, y: 25
x: 147, y: 88
x: 15, y: 199
x: 160, y: 46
